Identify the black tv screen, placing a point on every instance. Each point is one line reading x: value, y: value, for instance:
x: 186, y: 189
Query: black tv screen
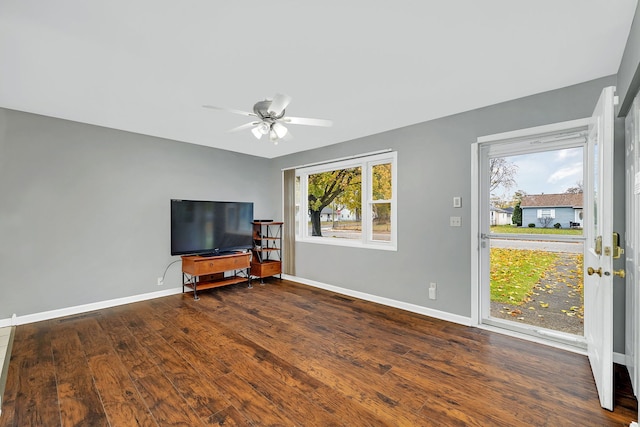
x: 209, y: 227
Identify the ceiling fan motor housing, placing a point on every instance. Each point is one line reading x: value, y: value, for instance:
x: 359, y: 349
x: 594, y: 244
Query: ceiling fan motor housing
x: 261, y: 109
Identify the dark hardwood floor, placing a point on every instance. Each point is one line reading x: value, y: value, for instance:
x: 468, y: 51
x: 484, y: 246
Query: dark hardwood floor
x: 287, y: 354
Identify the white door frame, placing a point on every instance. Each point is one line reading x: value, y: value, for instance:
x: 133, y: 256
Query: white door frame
x: 521, y: 135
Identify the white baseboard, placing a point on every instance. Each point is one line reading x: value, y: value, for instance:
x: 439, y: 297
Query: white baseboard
x: 8, y: 322
x: 619, y: 358
x: 78, y: 309
x: 442, y: 315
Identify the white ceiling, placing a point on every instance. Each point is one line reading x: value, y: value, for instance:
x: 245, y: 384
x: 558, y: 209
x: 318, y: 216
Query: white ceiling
x: 147, y: 66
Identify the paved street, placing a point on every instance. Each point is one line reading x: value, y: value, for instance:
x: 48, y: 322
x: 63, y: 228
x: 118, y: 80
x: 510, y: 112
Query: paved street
x: 565, y: 247
x: 348, y: 234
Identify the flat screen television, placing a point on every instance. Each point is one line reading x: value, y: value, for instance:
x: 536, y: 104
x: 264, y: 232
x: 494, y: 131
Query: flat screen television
x: 210, y: 227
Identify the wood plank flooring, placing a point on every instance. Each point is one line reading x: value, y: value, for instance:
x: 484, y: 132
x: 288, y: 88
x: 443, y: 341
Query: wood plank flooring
x: 286, y: 354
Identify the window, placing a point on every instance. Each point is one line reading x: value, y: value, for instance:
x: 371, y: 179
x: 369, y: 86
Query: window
x: 546, y: 217
x: 546, y: 213
x: 350, y: 202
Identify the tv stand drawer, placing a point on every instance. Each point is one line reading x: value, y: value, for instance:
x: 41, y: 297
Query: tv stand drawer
x: 199, y: 266
x: 266, y: 268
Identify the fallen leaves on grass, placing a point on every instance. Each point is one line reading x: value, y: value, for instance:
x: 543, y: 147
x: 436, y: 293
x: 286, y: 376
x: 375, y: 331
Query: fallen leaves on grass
x: 523, y: 278
x: 515, y: 271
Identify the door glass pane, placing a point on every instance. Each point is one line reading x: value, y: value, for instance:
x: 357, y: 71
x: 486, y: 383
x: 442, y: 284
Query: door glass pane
x: 537, y: 193
x: 537, y: 282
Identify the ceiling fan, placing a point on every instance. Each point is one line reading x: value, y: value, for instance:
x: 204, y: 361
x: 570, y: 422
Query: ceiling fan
x: 270, y: 119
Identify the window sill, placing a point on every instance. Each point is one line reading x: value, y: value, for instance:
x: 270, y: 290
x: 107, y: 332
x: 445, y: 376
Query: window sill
x: 348, y: 243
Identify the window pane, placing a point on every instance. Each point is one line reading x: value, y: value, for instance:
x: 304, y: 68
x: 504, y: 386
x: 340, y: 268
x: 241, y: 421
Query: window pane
x: 381, y: 221
x: 335, y: 203
x: 381, y: 185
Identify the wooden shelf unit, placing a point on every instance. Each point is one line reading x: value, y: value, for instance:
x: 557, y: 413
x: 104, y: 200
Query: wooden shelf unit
x: 206, y: 272
x: 267, y: 249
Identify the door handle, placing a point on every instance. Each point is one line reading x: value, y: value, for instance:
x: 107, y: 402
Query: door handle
x: 591, y: 270
x: 620, y: 273
x: 483, y: 240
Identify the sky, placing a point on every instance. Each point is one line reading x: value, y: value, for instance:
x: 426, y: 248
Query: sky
x: 549, y: 172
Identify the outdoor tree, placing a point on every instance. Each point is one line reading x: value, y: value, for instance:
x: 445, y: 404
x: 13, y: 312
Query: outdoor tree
x: 351, y: 197
x: 577, y: 189
x: 516, y: 218
x: 341, y: 186
x: 498, y: 202
x: 381, y: 190
x: 501, y: 173
x: 518, y: 196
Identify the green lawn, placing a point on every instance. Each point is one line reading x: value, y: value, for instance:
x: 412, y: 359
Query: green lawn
x: 514, y: 272
x: 512, y: 229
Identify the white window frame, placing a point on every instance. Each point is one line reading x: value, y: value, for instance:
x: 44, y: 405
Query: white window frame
x: 546, y: 213
x: 366, y: 163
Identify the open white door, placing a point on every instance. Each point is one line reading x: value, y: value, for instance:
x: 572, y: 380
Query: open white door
x: 600, y: 247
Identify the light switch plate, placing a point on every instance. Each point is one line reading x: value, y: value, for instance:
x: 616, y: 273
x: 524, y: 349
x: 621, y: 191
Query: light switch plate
x: 457, y: 202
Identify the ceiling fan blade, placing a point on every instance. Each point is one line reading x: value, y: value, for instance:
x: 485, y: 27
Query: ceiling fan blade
x: 243, y: 127
x: 231, y: 110
x: 279, y: 103
x: 308, y: 122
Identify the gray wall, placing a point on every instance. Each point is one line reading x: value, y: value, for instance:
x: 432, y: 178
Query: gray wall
x: 629, y: 71
x: 84, y: 210
x: 84, y: 215
x: 434, y: 166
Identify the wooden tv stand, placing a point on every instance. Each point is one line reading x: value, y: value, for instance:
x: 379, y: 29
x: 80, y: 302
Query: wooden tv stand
x: 203, y: 272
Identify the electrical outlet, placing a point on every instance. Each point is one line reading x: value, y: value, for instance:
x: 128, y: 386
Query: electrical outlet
x: 160, y: 281
x: 432, y: 290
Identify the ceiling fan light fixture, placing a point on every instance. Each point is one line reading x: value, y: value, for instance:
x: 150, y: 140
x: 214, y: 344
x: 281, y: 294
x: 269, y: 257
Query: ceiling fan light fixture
x: 264, y: 128
x: 279, y: 129
x: 257, y: 132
